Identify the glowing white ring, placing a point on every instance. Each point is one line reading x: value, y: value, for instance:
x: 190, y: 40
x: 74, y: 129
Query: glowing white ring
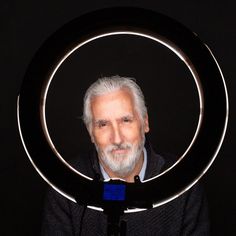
x: 187, y: 62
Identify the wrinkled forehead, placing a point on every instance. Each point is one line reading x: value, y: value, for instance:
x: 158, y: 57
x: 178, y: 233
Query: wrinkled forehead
x: 113, y: 103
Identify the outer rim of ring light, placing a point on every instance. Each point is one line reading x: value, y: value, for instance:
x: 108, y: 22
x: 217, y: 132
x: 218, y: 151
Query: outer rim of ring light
x: 182, y: 56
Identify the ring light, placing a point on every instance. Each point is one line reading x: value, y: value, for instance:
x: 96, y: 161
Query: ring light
x: 176, y: 180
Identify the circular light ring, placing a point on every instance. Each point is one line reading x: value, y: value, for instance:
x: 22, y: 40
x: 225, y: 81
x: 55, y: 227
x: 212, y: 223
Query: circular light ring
x: 187, y: 46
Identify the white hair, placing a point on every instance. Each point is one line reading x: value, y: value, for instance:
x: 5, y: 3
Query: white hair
x: 106, y: 85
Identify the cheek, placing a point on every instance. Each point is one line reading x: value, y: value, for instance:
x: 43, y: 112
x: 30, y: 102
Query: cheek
x: 133, y: 135
x: 101, y: 138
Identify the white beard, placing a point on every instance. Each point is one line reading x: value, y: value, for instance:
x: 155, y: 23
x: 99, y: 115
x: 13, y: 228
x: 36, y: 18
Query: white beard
x: 121, y: 164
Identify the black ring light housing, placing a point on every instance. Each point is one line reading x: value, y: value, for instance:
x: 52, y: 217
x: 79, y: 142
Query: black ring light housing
x: 160, y: 189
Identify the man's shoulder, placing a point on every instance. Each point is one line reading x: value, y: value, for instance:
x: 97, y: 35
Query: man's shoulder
x: 158, y: 162
x: 168, y: 159
x: 85, y: 164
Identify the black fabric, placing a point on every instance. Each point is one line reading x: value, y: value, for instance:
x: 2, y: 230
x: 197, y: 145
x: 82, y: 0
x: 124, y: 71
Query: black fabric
x: 185, y: 215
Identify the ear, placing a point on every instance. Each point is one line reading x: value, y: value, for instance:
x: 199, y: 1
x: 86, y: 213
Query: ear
x: 92, y: 138
x: 146, y: 124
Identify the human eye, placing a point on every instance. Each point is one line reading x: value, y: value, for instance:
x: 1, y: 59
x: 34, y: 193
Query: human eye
x: 127, y: 119
x: 101, y: 123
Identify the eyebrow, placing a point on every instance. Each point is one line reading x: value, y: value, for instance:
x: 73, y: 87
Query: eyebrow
x: 100, y: 121
x: 105, y: 120
x: 127, y: 117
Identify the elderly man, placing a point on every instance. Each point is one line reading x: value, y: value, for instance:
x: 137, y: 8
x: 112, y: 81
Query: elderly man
x: 116, y: 118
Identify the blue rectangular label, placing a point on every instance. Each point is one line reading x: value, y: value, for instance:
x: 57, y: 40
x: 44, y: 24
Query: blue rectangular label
x: 114, y: 192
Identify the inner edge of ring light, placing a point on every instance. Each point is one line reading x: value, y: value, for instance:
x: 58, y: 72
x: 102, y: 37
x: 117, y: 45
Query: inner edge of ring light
x: 174, y: 49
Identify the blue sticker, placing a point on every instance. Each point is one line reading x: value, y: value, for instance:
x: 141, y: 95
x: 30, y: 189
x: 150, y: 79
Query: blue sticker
x: 114, y: 192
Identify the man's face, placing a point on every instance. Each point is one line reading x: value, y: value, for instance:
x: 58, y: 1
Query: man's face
x: 117, y: 131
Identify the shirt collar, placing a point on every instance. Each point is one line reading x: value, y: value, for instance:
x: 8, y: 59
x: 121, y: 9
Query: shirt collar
x: 141, y: 173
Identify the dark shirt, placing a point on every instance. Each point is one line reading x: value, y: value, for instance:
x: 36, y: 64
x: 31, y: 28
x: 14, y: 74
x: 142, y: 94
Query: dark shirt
x: 185, y: 215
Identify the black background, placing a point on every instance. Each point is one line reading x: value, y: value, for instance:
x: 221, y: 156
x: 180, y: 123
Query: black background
x: 25, y: 25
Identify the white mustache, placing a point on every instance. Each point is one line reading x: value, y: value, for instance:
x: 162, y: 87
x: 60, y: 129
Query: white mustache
x: 123, y: 146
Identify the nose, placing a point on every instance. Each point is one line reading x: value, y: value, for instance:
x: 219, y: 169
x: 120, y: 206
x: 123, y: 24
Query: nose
x: 116, y: 136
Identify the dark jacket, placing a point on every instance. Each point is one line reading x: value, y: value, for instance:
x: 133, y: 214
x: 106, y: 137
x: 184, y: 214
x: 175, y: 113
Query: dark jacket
x: 185, y: 215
